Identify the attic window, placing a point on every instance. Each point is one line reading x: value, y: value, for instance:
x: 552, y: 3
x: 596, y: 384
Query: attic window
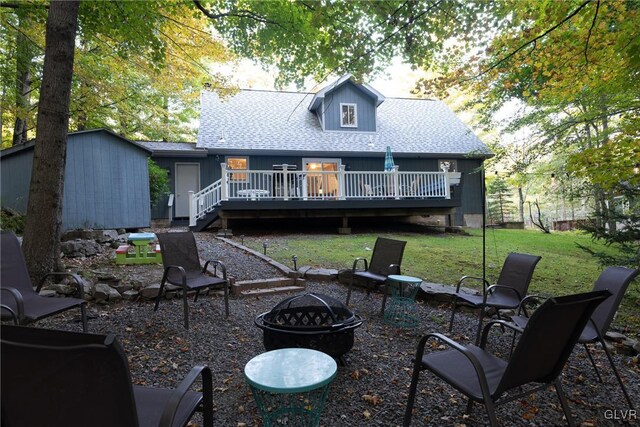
x: 348, y: 115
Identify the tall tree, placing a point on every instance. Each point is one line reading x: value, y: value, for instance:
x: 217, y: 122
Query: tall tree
x: 42, y: 228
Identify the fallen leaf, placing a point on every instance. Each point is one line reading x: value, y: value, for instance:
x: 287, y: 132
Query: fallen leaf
x: 372, y: 399
x: 367, y: 414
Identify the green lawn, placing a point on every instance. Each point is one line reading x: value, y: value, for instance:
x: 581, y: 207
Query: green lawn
x: 444, y: 258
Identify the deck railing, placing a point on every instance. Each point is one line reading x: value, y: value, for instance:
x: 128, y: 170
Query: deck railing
x: 290, y: 184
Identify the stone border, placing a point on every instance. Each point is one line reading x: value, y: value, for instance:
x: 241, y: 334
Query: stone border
x: 283, y: 268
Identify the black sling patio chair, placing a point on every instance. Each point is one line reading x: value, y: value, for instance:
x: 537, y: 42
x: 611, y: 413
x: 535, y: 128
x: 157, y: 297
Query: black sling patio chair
x: 182, y: 268
x: 509, y: 290
x: 539, y: 357
x: 59, y: 378
x: 17, y: 293
x: 385, y: 261
x: 615, y: 280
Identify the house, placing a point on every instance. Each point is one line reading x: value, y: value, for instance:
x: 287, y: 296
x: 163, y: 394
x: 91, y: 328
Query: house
x: 288, y: 154
x: 106, y: 181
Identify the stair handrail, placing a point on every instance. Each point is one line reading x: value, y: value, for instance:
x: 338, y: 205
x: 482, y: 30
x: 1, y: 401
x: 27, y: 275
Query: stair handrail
x: 204, y: 201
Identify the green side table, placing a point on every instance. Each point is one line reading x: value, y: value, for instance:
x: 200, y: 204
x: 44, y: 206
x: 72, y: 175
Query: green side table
x: 402, y: 310
x: 290, y: 385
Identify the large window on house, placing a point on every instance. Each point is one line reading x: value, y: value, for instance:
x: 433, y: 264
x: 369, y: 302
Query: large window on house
x: 448, y: 165
x: 348, y: 115
x: 240, y: 164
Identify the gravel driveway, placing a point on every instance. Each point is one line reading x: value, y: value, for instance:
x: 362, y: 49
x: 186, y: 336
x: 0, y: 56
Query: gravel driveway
x: 370, y: 391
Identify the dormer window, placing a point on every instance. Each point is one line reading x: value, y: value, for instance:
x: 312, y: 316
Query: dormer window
x: 348, y: 115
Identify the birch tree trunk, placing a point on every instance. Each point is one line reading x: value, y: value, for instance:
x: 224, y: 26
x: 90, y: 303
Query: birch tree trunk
x: 41, y: 244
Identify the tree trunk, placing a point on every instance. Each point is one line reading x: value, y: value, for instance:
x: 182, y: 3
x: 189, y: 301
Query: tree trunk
x: 24, y: 56
x: 42, y: 231
x: 521, y: 204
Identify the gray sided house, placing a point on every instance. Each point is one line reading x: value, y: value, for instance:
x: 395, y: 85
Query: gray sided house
x: 106, y: 181
x: 284, y: 154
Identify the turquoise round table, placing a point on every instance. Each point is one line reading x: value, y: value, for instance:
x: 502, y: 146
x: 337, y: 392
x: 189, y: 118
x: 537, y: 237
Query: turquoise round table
x: 290, y: 385
x: 402, y: 310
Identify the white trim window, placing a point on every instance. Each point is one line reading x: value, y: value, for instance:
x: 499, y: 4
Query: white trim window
x: 348, y: 115
x: 238, y: 163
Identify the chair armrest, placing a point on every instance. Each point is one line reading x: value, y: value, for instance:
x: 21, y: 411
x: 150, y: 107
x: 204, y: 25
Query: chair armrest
x: 482, y: 378
x: 183, y: 274
x: 11, y: 312
x: 166, y: 420
x: 485, y: 331
x: 525, y: 301
x: 75, y: 277
x: 216, y: 263
x: 394, y: 269
x: 355, y: 264
x: 17, y: 296
x: 484, y: 282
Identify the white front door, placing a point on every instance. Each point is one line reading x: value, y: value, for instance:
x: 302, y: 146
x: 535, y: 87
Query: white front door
x: 187, y: 179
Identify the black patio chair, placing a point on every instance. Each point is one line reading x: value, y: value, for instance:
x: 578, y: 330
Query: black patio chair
x: 509, y: 290
x: 615, y: 280
x: 182, y: 268
x: 539, y: 357
x: 385, y: 261
x: 19, y: 299
x: 59, y: 378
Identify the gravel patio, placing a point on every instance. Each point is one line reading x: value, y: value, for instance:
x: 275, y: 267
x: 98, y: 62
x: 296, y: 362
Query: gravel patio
x: 370, y: 391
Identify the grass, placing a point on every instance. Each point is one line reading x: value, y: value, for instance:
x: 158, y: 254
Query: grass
x: 444, y: 258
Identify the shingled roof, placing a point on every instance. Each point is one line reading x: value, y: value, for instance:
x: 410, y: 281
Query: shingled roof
x: 270, y: 121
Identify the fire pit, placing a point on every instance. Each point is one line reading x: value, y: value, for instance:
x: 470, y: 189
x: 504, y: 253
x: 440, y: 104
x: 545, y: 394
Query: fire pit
x: 312, y: 320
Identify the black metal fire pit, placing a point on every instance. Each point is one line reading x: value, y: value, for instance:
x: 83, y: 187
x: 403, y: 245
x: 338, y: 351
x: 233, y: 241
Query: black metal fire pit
x: 312, y: 320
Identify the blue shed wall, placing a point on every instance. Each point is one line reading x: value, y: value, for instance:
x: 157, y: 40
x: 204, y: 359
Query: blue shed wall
x: 106, y: 182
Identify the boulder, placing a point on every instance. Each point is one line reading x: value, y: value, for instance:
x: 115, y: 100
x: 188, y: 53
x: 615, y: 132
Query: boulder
x: 151, y: 291
x: 102, y: 291
x: 80, y: 248
x: 130, y: 295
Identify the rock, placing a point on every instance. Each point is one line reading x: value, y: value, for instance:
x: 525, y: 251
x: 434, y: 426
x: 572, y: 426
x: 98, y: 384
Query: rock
x: 114, y: 296
x: 615, y: 336
x: 628, y: 347
x: 102, y: 291
x: 321, y: 274
x: 151, y: 291
x: 80, y: 248
x: 49, y: 293
x: 63, y: 289
x: 100, y: 236
x: 122, y: 287
x: 130, y: 295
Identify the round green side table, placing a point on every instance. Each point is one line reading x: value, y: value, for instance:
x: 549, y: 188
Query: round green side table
x: 402, y: 310
x: 290, y: 385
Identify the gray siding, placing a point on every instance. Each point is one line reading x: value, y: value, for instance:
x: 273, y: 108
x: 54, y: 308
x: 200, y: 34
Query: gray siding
x: 350, y: 94
x: 106, y: 182
x: 15, y: 178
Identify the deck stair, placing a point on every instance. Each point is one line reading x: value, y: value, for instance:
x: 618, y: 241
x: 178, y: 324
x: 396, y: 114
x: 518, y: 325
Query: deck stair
x: 262, y: 287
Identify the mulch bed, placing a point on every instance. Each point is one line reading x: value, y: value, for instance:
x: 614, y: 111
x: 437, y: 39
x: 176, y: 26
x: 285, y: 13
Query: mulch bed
x: 370, y: 391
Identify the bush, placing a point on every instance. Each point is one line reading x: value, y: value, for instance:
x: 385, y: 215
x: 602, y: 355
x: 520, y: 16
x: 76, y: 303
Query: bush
x: 158, y: 182
x: 11, y: 220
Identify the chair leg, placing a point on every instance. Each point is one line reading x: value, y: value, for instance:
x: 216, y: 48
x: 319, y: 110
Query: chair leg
x: 615, y: 371
x: 593, y: 363
x: 164, y: 280
x: 185, y: 306
x: 491, y: 411
x: 83, y: 315
x: 563, y: 402
x: 453, y: 312
x: 412, y: 395
x: 349, y: 288
x: 226, y: 299
x: 469, y: 406
x: 384, y: 300
x: 479, y: 324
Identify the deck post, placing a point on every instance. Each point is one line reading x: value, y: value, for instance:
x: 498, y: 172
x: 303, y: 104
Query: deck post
x: 192, y: 209
x: 396, y: 183
x: 341, y: 181
x: 285, y: 181
x: 224, y: 188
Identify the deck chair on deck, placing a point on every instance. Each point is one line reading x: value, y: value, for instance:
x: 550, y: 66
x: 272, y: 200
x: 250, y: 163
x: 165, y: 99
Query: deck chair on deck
x: 509, y: 290
x: 59, y: 378
x: 182, y: 268
x: 20, y: 302
x: 385, y: 260
x: 539, y: 357
x: 615, y: 280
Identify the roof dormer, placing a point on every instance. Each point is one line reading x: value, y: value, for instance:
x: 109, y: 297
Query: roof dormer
x: 346, y: 106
